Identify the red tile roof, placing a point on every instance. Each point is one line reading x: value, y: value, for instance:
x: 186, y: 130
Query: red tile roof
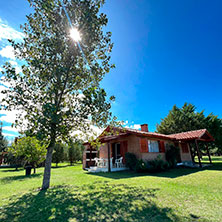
x: 189, y: 135
x: 195, y: 134
x: 143, y: 133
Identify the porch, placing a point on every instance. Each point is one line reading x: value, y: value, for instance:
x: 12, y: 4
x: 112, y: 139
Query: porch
x: 102, y: 165
x: 111, y: 158
x: 194, y: 141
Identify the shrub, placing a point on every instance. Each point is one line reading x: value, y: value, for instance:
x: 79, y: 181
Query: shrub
x: 141, y: 166
x: 172, y: 154
x: 157, y: 165
x: 131, y: 161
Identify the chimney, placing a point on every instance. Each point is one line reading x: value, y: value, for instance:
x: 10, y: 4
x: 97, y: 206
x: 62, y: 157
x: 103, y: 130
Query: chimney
x: 144, y: 127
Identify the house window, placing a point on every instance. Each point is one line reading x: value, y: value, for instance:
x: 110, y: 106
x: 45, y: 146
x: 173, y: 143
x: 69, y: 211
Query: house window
x: 153, y: 146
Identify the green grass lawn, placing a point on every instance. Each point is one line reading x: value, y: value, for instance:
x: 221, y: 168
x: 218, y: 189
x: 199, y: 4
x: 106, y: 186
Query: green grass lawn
x: 76, y: 195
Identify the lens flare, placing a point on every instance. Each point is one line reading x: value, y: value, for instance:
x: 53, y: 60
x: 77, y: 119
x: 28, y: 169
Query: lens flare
x: 75, y: 35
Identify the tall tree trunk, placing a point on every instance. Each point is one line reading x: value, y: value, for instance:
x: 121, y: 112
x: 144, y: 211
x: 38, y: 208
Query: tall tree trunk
x: 47, y: 170
x: 34, y: 169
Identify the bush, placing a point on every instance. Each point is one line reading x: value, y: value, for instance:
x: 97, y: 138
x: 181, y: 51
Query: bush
x: 131, y: 161
x: 152, y: 166
x: 141, y: 166
x: 157, y: 165
x: 172, y: 154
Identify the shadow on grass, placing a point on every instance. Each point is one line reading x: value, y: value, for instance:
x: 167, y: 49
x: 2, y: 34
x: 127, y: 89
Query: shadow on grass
x: 95, y: 202
x: 172, y: 173
x: 57, y: 167
x: 215, y: 166
x: 10, y: 179
x: 8, y: 170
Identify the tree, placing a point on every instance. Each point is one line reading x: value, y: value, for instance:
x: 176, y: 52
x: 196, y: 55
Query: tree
x: 30, y: 149
x: 75, y: 151
x: 187, y: 118
x: 3, y: 141
x: 71, y: 154
x: 13, y: 160
x: 181, y: 119
x: 59, y: 87
x: 58, y: 154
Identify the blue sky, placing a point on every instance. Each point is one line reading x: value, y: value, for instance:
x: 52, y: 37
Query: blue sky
x: 166, y: 53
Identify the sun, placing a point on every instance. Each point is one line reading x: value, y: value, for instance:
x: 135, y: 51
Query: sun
x: 75, y: 35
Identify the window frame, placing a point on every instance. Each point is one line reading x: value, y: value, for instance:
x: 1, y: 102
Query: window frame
x: 149, y: 145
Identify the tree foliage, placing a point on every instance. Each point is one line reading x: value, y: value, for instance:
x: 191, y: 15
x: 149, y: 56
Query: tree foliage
x: 30, y: 149
x: 59, y: 88
x: 58, y: 153
x: 3, y: 141
x: 187, y: 118
x: 75, y: 151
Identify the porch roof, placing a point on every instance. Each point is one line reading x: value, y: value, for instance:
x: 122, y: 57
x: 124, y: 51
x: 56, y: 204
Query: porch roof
x: 201, y: 134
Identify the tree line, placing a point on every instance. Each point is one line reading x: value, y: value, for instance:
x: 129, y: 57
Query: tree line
x: 29, y: 151
x: 187, y: 118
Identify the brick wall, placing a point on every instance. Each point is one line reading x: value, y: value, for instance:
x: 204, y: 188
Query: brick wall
x: 133, y: 142
x: 185, y: 156
x: 103, y: 151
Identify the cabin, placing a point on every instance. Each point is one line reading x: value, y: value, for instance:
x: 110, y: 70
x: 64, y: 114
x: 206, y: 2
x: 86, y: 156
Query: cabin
x: 144, y: 144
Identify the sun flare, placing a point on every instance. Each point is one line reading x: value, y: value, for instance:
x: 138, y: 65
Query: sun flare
x: 75, y: 35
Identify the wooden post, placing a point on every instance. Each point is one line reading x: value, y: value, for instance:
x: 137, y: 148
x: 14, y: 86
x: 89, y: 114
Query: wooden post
x: 208, y: 153
x: 90, y: 156
x: 191, y: 153
x: 198, y: 153
x: 109, y: 168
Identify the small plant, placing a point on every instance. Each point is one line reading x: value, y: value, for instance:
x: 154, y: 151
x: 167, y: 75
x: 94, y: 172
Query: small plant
x: 131, y: 161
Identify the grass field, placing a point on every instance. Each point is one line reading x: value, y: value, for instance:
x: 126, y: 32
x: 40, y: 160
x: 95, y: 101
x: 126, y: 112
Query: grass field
x: 76, y: 195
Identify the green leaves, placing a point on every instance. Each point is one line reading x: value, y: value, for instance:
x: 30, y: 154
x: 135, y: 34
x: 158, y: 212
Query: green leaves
x: 29, y: 148
x: 56, y: 72
x: 187, y: 118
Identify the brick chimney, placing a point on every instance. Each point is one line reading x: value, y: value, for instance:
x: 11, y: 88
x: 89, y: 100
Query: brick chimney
x: 144, y: 127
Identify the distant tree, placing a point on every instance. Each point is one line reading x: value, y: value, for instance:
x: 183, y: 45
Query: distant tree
x: 58, y: 153
x: 59, y: 89
x: 181, y: 120
x: 187, y: 118
x: 30, y: 149
x: 13, y: 160
x: 71, y: 154
x: 75, y: 151
x: 3, y: 141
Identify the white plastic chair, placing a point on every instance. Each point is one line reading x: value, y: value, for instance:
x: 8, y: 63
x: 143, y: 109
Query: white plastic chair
x: 98, y: 162
x: 119, y: 162
x: 105, y: 162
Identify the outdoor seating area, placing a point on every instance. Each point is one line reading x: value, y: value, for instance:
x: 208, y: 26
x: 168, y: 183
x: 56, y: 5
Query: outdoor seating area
x: 101, y: 165
x: 103, y: 162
